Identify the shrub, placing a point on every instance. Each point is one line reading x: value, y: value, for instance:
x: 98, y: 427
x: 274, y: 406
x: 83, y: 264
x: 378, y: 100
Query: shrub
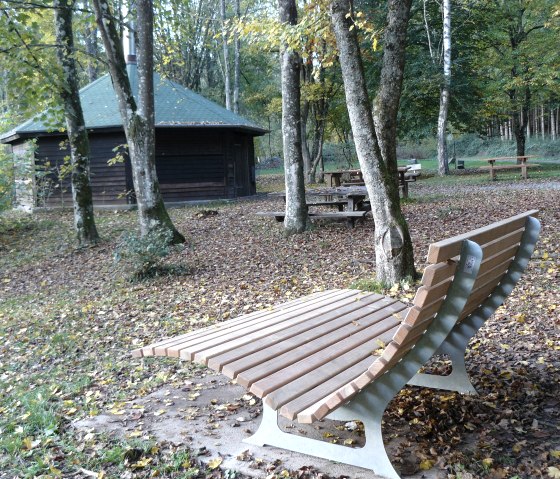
x: 6, y: 179
x: 138, y: 257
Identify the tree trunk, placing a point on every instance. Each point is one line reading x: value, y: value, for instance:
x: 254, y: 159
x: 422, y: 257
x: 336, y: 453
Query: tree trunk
x: 138, y: 121
x: 393, y: 247
x: 84, y: 221
x: 92, y: 50
x: 443, y: 161
x: 296, y: 219
x: 236, y: 62
x: 225, y: 48
x: 543, y: 125
x: 305, y: 152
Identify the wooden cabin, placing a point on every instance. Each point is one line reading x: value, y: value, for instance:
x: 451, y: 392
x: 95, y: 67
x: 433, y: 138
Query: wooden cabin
x: 203, y: 151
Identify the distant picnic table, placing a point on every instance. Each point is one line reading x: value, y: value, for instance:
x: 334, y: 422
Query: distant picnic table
x: 495, y: 164
x: 350, y: 202
x: 334, y: 178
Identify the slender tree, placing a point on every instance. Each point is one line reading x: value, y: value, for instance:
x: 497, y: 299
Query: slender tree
x: 84, y: 221
x: 225, y: 48
x: 138, y: 121
x: 377, y: 156
x: 443, y: 161
x: 296, y: 219
x: 236, y: 61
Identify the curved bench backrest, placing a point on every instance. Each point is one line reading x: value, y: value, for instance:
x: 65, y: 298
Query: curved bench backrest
x: 505, y: 245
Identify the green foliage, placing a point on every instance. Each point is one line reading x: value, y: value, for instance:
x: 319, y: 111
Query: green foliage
x: 371, y: 285
x: 139, y: 257
x: 6, y: 179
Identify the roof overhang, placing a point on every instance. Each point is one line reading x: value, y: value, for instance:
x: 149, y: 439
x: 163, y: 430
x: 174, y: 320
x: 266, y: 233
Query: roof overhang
x: 14, y: 136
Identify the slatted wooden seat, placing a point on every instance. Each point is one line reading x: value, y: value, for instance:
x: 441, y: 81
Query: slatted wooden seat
x: 344, y: 354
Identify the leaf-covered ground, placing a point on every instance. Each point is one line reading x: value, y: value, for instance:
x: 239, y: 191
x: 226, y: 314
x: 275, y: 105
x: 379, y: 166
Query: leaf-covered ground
x: 68, y: 322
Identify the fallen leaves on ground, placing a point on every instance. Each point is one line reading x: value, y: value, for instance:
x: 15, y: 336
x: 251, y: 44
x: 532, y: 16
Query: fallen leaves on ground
x: 68, y: 323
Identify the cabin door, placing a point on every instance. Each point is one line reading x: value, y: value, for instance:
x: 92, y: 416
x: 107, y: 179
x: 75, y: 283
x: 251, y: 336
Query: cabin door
x: 241, y: 168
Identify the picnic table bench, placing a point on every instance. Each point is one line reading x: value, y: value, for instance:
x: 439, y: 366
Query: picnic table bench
x: 344, y: 354
x: 522, y: 165
x: 349, y: 216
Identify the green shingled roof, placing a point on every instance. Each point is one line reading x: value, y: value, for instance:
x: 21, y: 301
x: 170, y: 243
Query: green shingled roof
x: 176, y: 106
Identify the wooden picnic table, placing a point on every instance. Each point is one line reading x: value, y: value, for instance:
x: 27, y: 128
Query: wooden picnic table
x: 521, y: 163
x: 403, y: 183
x: 353, y: 196
x: 334, y: 178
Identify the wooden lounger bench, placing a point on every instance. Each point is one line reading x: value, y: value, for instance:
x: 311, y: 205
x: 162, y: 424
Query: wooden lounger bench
x: 349, y: 216
x: 344, y: 354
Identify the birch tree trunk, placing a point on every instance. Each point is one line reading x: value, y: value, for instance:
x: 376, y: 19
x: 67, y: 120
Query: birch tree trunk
x: 443, y: 160
x: 225, y: 49
x: 84, y: 220
x: 393, y: 247
x: 296, y: 219
x: 138, y: 121
x: 236, y: 62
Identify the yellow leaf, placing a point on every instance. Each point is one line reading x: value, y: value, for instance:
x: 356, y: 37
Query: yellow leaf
x: 504, y: 346
x: 555, y: 454
x: 160, y: 412
x: 29, y: 443
x: 518, y: 446
x: 553, y: 472
x: 426, y: 464
x: 487, y: 461
x: 55, y: 471
x: 214, y: 463
x: 142, y: 463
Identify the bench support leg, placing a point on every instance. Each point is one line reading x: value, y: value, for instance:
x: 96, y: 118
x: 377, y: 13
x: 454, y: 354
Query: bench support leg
x: 372, y: 456
x: 458, y: 380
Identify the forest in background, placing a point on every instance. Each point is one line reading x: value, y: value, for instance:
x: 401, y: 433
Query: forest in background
x: 503, y: 57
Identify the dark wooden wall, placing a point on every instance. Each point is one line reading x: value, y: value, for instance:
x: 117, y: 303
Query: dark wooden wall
x: 211, y: 163
x: 110, y: 183
x: 192, y: 164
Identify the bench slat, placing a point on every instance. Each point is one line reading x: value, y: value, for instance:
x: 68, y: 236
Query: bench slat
x: 426, y: 295
x: 449, y: 248
x: 322, y: 366
x: 420, y: 314
x: 436, y: 273
x: 365, y: 339
x: 232, y: 362
x: 293, y: 407
x: 271, y: 359
x: 150, y: 349
x: 479, y: 295
x: 260, y: 326
x: 498, y: 259
x: 246, y: 376
x: 262, y: 331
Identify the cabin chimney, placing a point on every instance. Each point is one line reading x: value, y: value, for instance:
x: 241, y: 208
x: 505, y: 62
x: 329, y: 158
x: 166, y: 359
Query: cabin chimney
x: 131, y: 57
